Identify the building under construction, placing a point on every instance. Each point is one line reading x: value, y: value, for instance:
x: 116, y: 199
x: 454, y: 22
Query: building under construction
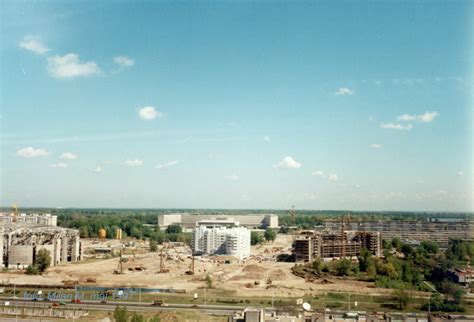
x: 20, y: 243
x: 439, y: 230
x: 309, y: 245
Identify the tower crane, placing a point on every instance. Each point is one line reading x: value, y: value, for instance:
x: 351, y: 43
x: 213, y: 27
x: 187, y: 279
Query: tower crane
x: 15, y: 212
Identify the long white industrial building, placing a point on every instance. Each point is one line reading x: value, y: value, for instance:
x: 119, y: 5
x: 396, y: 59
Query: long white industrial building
x: 188, y: 220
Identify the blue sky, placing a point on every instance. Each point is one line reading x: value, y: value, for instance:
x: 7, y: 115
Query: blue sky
x: 321, y: 105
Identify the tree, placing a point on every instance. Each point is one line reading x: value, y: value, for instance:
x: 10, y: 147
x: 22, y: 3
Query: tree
x: 120, y: 314
x: 365, y: 258
x: 43, y: 260
x: 255, y: 238
x: 397, y: 243
x: 208, y: 281
x: 174, y: 229
x: 407, y: 250
x: 429, y: 246
x: 402, y: 298
x: 153, y: 246
x: 317, y: 265
x: 137, y: 317
x: 136, y: 232
x: 270, y: 234
x: 343, y: 267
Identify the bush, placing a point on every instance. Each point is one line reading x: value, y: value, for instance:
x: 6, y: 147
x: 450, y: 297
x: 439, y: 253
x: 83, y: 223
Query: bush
x: 32, y: 270
x: 137, y: 317
x: 153, y: 246
x: 120, y: 314
x: 270, y: 234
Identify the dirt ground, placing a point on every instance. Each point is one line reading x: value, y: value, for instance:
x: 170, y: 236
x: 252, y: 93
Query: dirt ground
x: 248, y: 278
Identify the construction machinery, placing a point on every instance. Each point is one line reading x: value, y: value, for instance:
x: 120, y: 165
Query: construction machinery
x: 163, y: 255
x: 119, y: 269
x: 293, y: 215
x: 191, y: 268
x: 15, y: 212
x: 162, y: 265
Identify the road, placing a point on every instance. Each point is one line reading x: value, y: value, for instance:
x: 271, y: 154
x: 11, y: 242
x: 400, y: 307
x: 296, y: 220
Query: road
x: 131, y: 306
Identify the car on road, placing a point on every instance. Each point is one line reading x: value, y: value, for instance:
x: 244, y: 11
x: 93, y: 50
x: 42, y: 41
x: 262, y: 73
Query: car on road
x: 159, y: 302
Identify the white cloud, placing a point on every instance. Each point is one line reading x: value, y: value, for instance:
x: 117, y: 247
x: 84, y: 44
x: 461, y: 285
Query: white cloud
x: 148, y: 113
x: 33, y: 44
x: 167, y: 164
x: 98, y: 169
x: 30, y: 152
x: 376, y: 146
x: 60, y: 165
x: 68, y: 156
x: 124, y: 61
x: 69, y: 66
x: 267, y: 139
x: 246, y: 197
x: 460, y: 173
x: 318, y: 173
x: 426, y: 117
x: 407, y: 117
x: 134, y: 163
x: 287, y: 163
x: 310, y: 196
x: 396, y: 126
x: 344, y: 91
x: 333, y: 177
x: 232, y: 177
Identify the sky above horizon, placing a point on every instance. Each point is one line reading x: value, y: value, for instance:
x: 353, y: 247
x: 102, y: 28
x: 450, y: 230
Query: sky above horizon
x: 268, y: 104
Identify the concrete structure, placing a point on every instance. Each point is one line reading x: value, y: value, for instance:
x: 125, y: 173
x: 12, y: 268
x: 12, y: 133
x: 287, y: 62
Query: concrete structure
x: 439, y: 231
x: 187, y: 220
x: 29, y: 219
x: 328, y: 245
x: 20, y: 243
x: 221, y: 240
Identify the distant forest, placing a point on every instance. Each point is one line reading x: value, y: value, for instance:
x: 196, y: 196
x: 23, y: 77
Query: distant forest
x: 141, y: 223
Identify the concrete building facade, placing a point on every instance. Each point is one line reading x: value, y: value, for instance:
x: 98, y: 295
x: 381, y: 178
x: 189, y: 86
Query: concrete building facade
x: 19, y: 244
x: 221, y: 240
x: 309, y: 245
x: 439, y: 231
x: 29, y: 219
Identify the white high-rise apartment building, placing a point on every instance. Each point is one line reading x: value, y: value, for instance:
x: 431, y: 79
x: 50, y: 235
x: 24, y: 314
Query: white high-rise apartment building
x: 233, y: 241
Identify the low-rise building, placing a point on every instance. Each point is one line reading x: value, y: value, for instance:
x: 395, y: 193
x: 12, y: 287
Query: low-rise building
x: 463, y: 276
x: 187, y: 220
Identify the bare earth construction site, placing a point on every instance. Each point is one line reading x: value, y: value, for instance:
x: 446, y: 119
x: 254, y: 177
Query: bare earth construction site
x: 259, y: 275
